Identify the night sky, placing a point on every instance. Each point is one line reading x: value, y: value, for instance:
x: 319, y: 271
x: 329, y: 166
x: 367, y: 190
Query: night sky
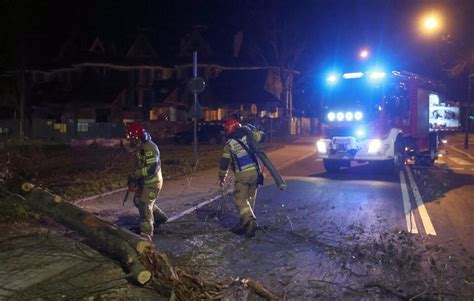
x: 332, y: 32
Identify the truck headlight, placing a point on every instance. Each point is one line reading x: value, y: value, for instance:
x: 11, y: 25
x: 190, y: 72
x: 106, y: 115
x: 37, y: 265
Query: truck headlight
x: 349, y: 116
x: 321, y: 147
x: 331, y: 116
x: 374, y: 146
x: 340, y: 116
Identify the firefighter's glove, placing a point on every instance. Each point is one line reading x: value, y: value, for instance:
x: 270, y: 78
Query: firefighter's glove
x: 132, y: 183
x: 221, y: 181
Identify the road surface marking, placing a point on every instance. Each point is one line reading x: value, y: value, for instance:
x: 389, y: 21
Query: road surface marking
x: 409, y: 216
x: 425, y: 218
x: 192, y: 209
x: 460, y: 161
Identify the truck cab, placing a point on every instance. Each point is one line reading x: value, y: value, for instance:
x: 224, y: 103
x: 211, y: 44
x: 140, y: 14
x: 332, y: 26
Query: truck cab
x: 377, y: 117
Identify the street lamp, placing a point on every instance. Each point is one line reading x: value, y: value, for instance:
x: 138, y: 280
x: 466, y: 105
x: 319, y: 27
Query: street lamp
x: 431, y: 23
x: 364, y: 53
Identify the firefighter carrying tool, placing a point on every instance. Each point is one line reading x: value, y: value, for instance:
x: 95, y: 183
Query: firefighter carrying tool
x: 147, y: 179
x: 132, y: 185
x: 239, y: 153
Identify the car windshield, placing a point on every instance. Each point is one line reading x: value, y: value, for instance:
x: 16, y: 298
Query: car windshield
x: 354, y: 95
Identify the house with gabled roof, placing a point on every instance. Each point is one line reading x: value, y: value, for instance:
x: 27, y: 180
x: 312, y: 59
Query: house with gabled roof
x: 129, y: 79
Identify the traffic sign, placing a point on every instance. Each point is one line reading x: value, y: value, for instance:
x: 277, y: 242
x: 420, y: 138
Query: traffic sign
x: 197, y: 85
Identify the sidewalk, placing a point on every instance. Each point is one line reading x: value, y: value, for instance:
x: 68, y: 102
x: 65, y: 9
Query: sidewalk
x: 456, y: 144
x: 188, y: 191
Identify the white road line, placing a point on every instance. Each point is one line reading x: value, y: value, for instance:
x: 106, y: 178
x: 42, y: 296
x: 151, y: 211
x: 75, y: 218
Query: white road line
x: 425, y: 218
x: 460, y: 161
x: 192, y: 209
x: 409, y: 216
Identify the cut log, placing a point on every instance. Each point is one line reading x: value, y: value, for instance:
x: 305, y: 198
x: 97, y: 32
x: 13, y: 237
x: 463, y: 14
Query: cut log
x: 118, y: 243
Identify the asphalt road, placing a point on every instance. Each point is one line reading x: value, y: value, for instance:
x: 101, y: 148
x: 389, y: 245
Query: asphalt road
x: 437, y: 201
x: 360, y: 232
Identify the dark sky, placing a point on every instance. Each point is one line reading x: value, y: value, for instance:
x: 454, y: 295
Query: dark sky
x: 333, y: 31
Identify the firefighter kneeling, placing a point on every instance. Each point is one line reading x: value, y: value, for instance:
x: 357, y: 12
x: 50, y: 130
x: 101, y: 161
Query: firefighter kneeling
x: 248, y: 175
x: 146, y: 180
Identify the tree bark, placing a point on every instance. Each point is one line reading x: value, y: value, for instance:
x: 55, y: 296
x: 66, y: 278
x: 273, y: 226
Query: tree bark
x: 118, y: 243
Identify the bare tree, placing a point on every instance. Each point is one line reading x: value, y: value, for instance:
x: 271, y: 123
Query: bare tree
x: 273, y: 40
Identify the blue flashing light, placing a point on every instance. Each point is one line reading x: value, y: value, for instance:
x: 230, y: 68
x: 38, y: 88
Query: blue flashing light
x: 358, y: 115
x: 376, y: 75
x: 332, y: 78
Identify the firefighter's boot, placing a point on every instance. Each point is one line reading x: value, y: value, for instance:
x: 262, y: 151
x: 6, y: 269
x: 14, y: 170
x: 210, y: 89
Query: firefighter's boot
x: 240, y: 228
x: 159, y: 216
x: 250, y: 229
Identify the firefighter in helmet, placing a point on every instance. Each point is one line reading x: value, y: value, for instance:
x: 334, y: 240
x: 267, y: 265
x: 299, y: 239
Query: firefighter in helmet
x: 248, y: 176
x: 148, y: 177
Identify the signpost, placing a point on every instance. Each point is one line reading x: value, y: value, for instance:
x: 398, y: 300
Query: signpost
x: 196, y: 86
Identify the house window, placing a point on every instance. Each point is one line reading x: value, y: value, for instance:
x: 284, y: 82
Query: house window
x: 82, y: 127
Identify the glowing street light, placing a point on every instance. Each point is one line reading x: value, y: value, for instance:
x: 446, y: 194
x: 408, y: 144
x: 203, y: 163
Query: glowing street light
x: 431, y: 23
x: 363, y: 54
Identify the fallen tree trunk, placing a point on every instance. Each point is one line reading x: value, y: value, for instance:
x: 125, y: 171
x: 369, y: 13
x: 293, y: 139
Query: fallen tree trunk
x: 139, y: 257
x: 118, y: 243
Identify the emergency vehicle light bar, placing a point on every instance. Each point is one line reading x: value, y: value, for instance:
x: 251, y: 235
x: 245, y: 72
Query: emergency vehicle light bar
x: 352, y: 75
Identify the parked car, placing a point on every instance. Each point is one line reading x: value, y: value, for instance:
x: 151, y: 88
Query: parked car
x: 207, y: 132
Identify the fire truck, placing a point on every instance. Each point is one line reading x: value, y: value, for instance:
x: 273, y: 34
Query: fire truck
x: 378, y: 117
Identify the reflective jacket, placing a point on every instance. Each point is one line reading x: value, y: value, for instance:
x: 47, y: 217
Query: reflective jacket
x: 237, y: 155
x: 148, y: 163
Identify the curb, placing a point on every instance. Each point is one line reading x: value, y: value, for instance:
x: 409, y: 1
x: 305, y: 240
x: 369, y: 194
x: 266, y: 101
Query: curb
x: 282, y: 166
x: 461, y: 151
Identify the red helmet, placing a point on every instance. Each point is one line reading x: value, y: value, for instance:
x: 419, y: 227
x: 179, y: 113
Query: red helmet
x: 231, y: 125
x: 136, y: 131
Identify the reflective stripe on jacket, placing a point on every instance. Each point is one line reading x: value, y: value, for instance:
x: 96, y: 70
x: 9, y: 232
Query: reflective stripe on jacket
x: 241, y: 160
x: 149, y: 163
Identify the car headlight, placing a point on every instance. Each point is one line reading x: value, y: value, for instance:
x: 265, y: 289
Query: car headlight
x: 358, y: 116
x: 322, y: 148
x: 331, y: 116
x: 374, y: 146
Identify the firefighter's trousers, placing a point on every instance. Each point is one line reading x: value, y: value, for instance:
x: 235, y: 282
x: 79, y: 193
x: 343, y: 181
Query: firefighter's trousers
x: 245, y: 193
x: 144, y: 200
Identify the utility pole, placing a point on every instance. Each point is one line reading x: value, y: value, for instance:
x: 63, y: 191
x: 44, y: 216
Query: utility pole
x: 468, y: 113
x: 195, y: 109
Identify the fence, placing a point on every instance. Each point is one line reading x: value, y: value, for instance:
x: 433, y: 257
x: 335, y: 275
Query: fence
x: 64, y: 131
